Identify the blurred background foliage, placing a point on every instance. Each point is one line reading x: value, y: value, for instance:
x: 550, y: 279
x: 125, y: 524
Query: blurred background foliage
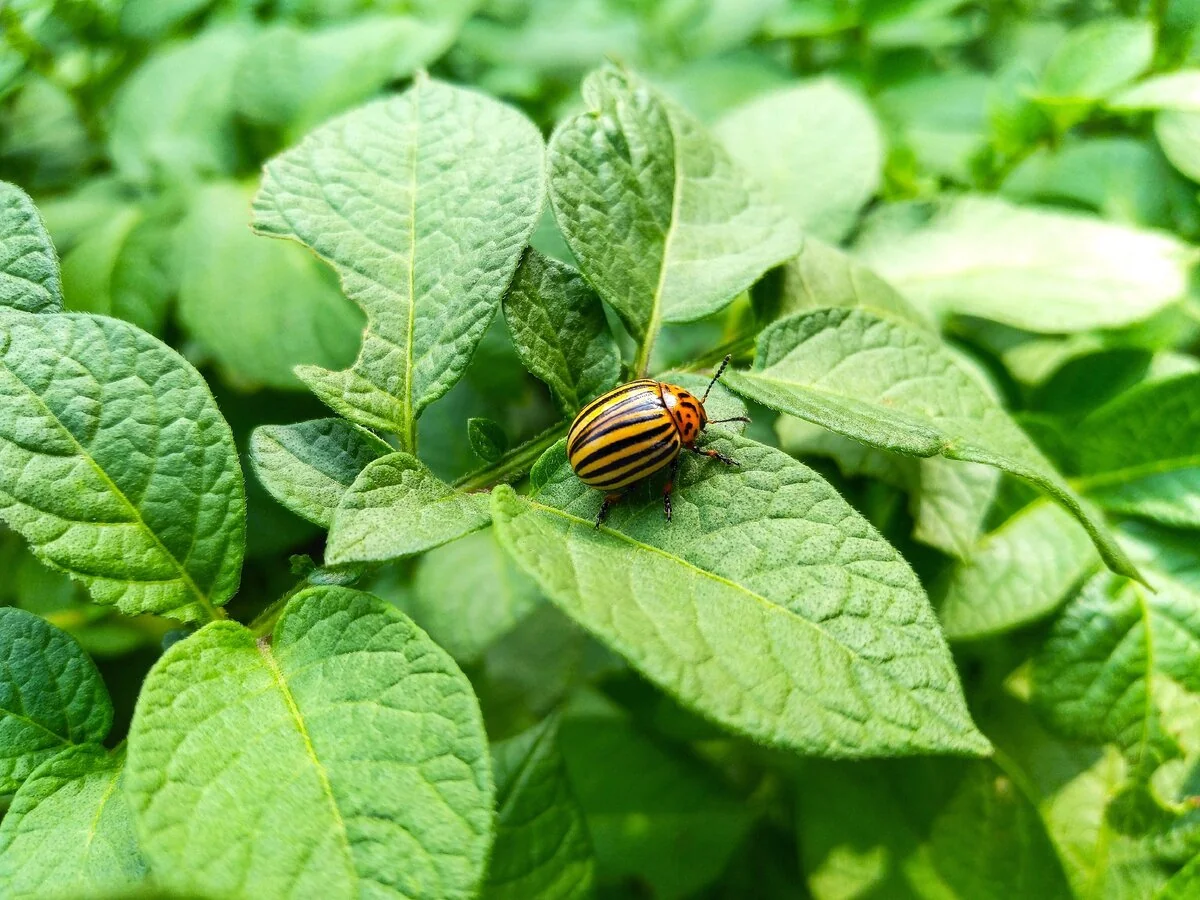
x: 140, y: 129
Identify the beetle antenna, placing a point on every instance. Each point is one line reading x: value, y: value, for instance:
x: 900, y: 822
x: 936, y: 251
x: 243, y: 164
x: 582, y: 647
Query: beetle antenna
x: 720, y: 369
x: 730, y: 419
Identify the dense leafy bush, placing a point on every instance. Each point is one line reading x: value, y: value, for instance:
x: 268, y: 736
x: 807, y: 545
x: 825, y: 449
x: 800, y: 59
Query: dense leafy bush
x: 299, y: 596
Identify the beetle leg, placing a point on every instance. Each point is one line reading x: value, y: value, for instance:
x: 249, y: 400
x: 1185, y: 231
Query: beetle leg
x: 715, y: 455
x: 669, y: 485
x: 609, y: 501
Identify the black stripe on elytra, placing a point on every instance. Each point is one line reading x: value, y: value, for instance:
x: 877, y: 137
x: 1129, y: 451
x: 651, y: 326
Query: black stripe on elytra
x: 608, y: 426
x: 646, y: 457
x: 615, y: 392
x: 615, y: 447
x: 646, y: 467
x: 628, y: 407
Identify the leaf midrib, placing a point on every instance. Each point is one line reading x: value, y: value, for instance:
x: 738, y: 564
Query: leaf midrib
x: 409, y: 435
x: 184, y: 576
x: 769, y: 605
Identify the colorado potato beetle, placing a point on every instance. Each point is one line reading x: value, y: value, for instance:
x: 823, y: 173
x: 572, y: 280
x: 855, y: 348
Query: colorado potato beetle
x: 638, y: 429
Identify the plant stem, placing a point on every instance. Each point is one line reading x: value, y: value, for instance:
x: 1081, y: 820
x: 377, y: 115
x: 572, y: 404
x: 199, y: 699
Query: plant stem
x: 513, y: 464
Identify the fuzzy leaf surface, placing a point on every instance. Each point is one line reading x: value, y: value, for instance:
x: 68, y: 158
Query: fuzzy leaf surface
x: 816, y: 145
x: 543, y: 851
x: 765, y: 581
x: 387, y: 789
x: 1032, y: 268
x: 308, y: 466
x: 558, y: 327
x: 423, y: 204
x: 69, y: 831
x: 663, y: 222
x: 1140, y: 453
x: 1018, y: 573
x: 397, y: 507
x: 51, y: 696
x: 884, y: 383
x: 29, y: 278
x: 117, y: 466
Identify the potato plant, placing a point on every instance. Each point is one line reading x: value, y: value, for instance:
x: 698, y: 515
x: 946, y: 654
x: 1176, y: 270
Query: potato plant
x: 299, y: 593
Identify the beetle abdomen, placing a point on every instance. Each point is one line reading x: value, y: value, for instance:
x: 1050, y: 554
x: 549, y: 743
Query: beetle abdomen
x: 623, y: 436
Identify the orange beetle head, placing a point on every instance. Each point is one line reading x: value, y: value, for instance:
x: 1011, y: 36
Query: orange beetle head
x: 687, y: 411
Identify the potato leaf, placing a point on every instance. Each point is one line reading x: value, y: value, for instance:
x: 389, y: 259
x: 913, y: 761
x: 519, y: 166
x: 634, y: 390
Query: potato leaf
x: 345, y: 754
x: 423, y: 204
x: 29, y: 278
x: 117, y: 466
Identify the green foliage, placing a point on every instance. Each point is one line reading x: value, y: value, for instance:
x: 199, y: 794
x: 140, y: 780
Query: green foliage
x: 935, y: 634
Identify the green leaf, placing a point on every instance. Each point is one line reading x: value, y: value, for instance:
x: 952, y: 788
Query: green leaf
x: 925, y: 828
x: 664, y: 224
x: 1017, y: 574
x: 295, y: 78
x: 816, y: 146
x: 29, y: 277
x: 1113, y: 663
x: 259, y: 308
x: 397, y: 507
x: 345, y: 756
x: 940, y: 120
x: 173, y: 118
x: 69, y: 831
x: 51, y: 696
x: 151, y: 19
x: 1031, y: 268
x: 487, y: 438
x: 1178, y: 134
x: 821, y: 276
x: 1183, y: 884
x: 1092, y: 61
x: 887, y: 384
x: 1178, y: 91
x: 765, y: 581
x: 123, y: 268
x: 423, y: 203
x: 1140, y: 453
x: 116, y: 465
x: 308, y: 466
x: 468, y: 593
x: 542, y: 851
x: 558, y: 327
x: 642, y: 797
x: 948, y: 499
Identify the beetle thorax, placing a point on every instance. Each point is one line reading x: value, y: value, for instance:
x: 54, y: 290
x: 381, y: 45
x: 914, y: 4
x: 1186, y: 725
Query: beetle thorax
x: 687, y: 411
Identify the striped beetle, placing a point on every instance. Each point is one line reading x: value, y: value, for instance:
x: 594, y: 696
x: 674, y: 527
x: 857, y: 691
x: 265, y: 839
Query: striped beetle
x: 638, y: 429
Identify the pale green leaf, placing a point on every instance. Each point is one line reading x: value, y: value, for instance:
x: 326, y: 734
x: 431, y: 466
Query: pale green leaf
x: 308, y: 466
x: 259, y: 308
x: 488, y: 439
x: 821, y: 276
x: 932, y: 829
x: 423, y: 203
x: 469, y: 593
x: 542, y: 851
x: 51, y: 696
x: 887, y: 384
x: 150, y: 19
x: 29, y: 278
x: 655, y: 815
x: 1115, y: 660
x: 940, y: 119
x: 295, y: 78
x: 173, y: 118
x: 560, y: 332
x: 1178, y: 134
x: 397, y: 507
x: 664, y: 224
x: 1018, y: 573
x: 1032, y: 268
x: 1175, y: 90
x: 948, y: 499
x: 765, y: 583
x: 1096, y: 59
x: 116, y: 465
x: 69, y: 831
x: 816, y: 146
x: 122, y: 268
x: 1184, y: 884
x: 1140, y: 453
x: 344, y: 757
